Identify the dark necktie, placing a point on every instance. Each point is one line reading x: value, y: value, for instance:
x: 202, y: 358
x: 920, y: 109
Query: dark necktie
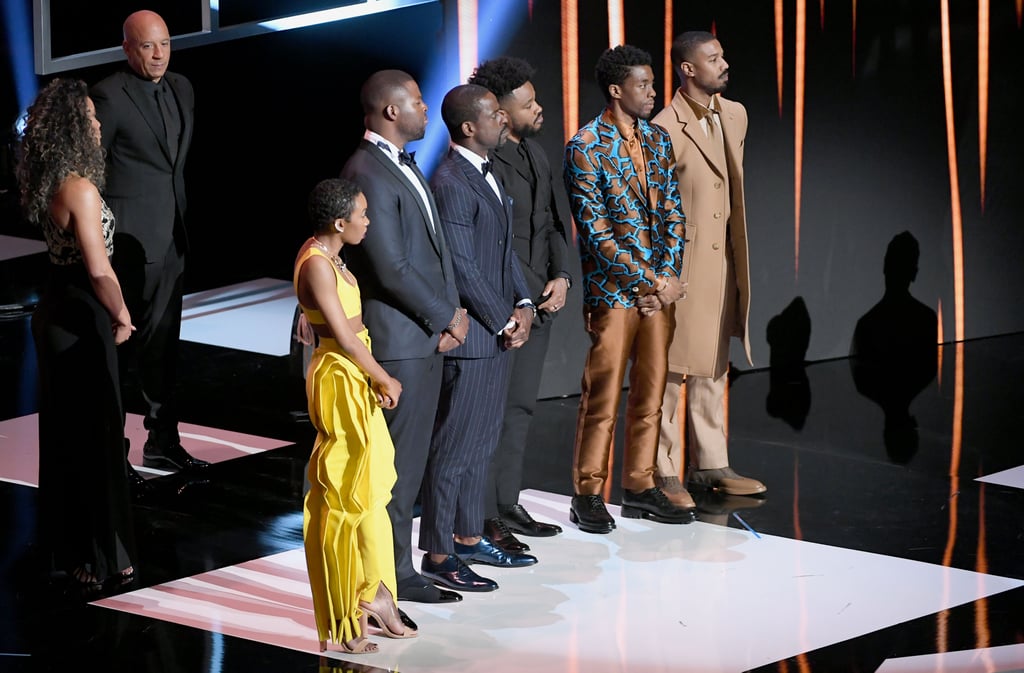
x: 172, y: 125
x: 485, y: 168
x: 407, y: 158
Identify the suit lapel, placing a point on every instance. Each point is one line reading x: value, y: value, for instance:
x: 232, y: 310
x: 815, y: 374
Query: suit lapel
x: 434, y: 232
x: 142, y: 96
x: 695, y: 132
x: 620, y: 152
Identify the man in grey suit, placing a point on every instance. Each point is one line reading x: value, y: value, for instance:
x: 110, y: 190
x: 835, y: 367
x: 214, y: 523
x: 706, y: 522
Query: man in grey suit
x: 476, y: 217
x: 410, y: 302
x: 146, y: 116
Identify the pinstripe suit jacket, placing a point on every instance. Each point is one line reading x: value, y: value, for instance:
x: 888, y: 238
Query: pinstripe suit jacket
x: 628, y: 238
x: 478, y: 228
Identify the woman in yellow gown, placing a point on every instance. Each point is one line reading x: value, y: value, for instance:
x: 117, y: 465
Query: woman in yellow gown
x: 346, y: 530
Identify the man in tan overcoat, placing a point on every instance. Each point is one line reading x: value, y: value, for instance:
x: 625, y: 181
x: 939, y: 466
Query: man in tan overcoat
x: 707, y: 134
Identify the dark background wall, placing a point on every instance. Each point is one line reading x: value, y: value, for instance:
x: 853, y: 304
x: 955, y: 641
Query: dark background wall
x: 278, y: 112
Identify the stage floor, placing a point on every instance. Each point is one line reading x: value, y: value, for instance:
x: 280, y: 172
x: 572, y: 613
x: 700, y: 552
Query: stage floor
x: 891, y: 538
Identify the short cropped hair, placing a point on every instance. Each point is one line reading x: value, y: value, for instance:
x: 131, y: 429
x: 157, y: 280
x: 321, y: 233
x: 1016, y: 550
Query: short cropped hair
x: 379, y: 87
x: 615, y: 64
x: 460, y: 105
x: 331, y: 199
x: 685, y: 44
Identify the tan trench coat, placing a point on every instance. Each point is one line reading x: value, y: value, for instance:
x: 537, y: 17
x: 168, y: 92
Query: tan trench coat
x: 715, y: 211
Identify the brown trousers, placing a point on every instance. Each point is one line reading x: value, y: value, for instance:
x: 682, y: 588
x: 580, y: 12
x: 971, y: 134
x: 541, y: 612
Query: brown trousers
x: 620, y: 336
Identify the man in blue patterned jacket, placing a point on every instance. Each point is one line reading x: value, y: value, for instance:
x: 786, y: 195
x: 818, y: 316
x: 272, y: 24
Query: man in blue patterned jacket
x: 624, y: 198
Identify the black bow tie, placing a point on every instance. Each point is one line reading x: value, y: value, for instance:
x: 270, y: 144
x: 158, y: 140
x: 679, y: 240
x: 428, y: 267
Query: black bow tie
x: 407, y: 158
x: 485, y: 168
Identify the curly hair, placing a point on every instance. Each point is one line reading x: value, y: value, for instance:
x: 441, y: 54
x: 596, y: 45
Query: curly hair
x: 502, y: 75
x: 58, y: 142
x: 329, y: 200
x: 614, y: 65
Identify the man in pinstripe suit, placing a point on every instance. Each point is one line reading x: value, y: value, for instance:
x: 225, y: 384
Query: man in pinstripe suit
x: 476, y: 218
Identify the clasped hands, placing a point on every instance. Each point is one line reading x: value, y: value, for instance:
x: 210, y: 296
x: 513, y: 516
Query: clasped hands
x: 669, y: 291
x: 454, y: 335
x: 519, y: 333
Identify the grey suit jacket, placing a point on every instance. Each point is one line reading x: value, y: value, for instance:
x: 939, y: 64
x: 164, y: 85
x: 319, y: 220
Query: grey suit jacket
x: 479, y: 230
x: 403, y: 265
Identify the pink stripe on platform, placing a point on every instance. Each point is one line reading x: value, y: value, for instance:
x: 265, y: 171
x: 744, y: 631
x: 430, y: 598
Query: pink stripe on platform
x: 19, y: 446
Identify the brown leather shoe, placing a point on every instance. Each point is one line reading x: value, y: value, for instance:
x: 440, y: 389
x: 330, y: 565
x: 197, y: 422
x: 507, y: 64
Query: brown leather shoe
x: 675, y: 492
x: 725, y: 480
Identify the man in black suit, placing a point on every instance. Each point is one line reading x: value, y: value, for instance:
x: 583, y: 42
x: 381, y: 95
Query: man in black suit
x: 146, y: 116
x: 410, y: 302
x: 539, y: 244
x: 476, y: 217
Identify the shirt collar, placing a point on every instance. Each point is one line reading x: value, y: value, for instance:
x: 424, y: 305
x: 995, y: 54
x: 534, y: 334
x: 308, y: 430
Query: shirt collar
x: 471, y: 157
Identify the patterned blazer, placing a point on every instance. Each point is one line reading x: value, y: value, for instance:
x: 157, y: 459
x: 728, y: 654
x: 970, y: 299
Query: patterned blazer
x: 627, y: 239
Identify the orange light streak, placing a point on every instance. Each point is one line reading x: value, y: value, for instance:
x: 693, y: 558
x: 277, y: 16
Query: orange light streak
x: 798, y: 131
x: 616, y: 23
x: 821, y: 13
x: 467, y: 26
x: 779, y: 51
x: 942, y: 634
x: 570, y: 70
x: 669, y: 66
x: 954, y: 178
x: 982, y: 632
x: 983, y: 52
x: 1020, y: 11
x: 941, y: 341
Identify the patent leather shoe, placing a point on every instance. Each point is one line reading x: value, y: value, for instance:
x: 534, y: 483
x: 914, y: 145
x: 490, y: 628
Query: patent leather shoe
x: 172, y: 457
x: 651, y: 504
x: 138, y: 487
x: 589, y: 513
x: 455, y: 574
x: 520, y: 521
x: 417, y: 589
x: 497, y: 531
x: 487, y: 553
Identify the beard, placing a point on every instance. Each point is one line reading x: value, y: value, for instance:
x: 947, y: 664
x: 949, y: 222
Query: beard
x: 527, y: 130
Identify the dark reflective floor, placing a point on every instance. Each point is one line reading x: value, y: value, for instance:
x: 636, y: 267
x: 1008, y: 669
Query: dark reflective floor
x: 869, y: 461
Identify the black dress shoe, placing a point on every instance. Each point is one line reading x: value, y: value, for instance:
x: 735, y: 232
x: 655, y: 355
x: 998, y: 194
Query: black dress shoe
x: 496, y: 530
x: 519, y: 520
x: 138, y: 487
x: 589, y: 513
x: 455, y: 574
x: 654, y: 505
x: 417, y: 589
x: 487, y: 553
x: 173, y: 457
x: 407, y: 621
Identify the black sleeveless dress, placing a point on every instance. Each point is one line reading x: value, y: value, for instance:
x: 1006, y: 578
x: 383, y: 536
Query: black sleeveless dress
x: 85, y: 516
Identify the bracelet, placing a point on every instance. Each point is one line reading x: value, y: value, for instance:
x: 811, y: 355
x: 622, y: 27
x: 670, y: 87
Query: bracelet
x: 454, y: 324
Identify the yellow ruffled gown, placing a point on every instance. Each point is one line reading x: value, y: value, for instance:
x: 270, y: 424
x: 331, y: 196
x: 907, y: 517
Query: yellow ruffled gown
x: 346, y: 530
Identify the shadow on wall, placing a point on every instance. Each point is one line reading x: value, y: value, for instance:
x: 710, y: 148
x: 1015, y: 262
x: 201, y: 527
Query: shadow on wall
x: 789, y: 391
x: 894, y: 349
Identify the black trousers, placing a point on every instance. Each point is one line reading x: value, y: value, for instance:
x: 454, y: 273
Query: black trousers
x: 505, y: 477
x: 152, y: 292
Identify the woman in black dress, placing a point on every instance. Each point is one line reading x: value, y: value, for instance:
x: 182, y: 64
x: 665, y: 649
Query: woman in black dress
x: 85, y: 517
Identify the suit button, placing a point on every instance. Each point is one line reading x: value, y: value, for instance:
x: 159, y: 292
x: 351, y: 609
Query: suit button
x: 715, y: 246
x: 718, y: 216
x: 718, y: 185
